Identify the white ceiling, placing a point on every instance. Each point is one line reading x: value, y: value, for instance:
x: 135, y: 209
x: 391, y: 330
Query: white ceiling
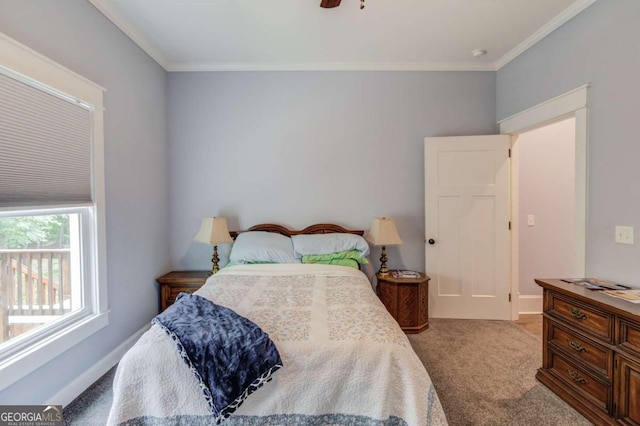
x: 213, y: 35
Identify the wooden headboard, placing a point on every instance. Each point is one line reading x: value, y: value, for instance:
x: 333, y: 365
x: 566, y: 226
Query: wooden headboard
x: 319, y: 228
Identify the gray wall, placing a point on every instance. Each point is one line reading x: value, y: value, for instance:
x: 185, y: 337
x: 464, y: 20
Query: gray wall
x: 74, y: 34
x: 600, y: 47
x: 546, y: 167
x: 297, y: 148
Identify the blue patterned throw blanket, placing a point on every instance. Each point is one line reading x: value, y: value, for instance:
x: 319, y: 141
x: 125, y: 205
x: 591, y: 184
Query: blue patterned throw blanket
x: 229, y: 355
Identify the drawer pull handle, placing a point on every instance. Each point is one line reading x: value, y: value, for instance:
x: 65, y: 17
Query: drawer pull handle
x: 577, y: 346
x: 578, y: 314
x: 577, y: 378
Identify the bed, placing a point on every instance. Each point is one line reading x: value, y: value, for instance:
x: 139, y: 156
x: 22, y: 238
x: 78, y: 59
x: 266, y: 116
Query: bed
x: 343, y: 360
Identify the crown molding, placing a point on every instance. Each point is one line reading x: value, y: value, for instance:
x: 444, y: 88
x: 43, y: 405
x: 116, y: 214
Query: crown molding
x: 24, y: 60
x: 328, y: 66
x: 147, y: 46
x: 544, y: 31
x: 125, y: 26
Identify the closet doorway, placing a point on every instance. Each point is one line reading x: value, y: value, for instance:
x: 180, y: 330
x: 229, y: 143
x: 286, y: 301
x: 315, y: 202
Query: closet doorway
x: 563, y: 121
x: 543, y: 159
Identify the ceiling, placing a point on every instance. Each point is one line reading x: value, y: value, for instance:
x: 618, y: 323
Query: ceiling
x: 215, y: 35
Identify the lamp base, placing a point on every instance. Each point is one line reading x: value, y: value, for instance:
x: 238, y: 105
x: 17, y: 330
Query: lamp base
x: 214, y: 259
x: 383, y: 272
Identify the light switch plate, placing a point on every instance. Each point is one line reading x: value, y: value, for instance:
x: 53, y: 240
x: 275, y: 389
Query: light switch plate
x: 624, y: 234
x: 531, y: 220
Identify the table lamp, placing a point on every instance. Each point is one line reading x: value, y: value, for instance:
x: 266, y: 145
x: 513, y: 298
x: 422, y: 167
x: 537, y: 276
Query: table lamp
x: 383, y: 233
x: 214, y: 231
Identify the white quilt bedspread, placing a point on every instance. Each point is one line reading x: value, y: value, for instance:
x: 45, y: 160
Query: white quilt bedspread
x: 346, y: 361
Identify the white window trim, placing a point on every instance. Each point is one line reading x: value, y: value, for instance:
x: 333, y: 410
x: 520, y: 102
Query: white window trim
x: 25, y: 61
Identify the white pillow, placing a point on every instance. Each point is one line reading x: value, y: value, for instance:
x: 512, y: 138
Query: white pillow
x: 328, y: 243
x: 262, y: 247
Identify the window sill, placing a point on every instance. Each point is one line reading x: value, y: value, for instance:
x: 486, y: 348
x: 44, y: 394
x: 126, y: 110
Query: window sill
x: 34, y: 357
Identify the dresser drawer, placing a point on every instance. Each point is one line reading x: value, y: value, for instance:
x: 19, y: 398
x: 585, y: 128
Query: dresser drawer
x: 597, y: 357
x: 586, y: 385
x: 593, y: 321
x: 629, y: 335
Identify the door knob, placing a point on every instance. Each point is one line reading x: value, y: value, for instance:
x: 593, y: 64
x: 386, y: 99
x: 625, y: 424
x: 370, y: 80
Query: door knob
x: 431, y: 241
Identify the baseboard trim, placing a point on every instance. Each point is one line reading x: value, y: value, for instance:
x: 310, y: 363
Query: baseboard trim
x: 529, y: 304
x: 70, y: 392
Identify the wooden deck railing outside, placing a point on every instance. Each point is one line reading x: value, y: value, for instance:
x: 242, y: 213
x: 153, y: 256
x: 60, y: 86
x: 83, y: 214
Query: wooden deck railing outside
x: 33, y: 283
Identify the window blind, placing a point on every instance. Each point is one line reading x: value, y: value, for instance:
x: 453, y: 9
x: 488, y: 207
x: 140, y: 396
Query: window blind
x: 45, y: 146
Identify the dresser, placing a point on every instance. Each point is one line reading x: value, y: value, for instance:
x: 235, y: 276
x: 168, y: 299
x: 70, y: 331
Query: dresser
x: 406, y: 299
x: 591, y: 352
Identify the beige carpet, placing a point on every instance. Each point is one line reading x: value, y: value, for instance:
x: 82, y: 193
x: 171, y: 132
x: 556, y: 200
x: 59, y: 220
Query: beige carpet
x: 484, y: 372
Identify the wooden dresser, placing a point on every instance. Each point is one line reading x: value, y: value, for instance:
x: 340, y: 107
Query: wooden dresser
x: 591, y: 352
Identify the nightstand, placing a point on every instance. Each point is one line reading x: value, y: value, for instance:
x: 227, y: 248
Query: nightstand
x: 406, y: 299
x: 176, y: 282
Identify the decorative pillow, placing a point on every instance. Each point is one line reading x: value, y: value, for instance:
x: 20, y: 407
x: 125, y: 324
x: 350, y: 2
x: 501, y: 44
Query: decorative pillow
x: 328, y: 243
x: 336, y: 258
x: 350, y: 258
x: 341, y: 262
x: 262, y: 247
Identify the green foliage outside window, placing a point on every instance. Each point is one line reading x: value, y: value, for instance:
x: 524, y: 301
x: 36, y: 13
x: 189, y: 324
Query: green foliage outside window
x: 34, y: 232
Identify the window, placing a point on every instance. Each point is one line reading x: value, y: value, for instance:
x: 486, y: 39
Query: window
x: 52, y: 269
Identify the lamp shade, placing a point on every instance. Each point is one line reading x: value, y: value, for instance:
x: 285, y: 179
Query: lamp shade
x: 213, y: 230
x: 383, y: 232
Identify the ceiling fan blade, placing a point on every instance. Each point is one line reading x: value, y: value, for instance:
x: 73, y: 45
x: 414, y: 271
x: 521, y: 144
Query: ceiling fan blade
x: 329, y: 3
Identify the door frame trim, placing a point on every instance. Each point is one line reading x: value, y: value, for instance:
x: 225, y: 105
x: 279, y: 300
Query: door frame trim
x: 573, y: 103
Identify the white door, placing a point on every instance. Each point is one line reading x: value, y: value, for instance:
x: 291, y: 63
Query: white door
x: 467, y: 226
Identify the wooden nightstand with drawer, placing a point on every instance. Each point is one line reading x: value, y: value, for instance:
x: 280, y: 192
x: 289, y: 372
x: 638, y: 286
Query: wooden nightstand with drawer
x: 176, y: 282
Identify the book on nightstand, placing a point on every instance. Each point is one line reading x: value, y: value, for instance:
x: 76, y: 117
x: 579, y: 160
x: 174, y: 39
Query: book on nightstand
x: 405, y: 274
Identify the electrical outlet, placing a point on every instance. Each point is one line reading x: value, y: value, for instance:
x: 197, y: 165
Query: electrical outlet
x: 531, y: 220
x: 624, y: 234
